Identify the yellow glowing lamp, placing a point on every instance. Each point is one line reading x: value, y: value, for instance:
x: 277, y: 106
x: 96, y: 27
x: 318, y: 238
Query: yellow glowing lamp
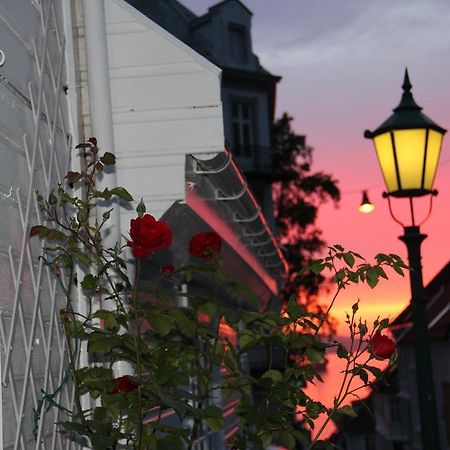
x: 366, y: 205
x: 408, y: 146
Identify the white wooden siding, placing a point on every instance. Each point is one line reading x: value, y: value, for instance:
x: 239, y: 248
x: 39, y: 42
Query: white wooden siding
x: 166, y: 104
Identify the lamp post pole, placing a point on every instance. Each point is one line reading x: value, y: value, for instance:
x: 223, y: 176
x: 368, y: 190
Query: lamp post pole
x: 408, y: 146
x: 413, y: 239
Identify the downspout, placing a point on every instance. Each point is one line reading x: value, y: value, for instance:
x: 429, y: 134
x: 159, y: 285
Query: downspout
x: 100, y: 106
x: 102, y: 122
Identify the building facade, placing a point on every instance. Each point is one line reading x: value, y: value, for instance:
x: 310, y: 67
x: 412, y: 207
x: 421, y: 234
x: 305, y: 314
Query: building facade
x: 73, y: 69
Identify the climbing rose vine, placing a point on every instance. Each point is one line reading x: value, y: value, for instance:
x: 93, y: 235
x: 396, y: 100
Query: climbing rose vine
x: 149, y: 360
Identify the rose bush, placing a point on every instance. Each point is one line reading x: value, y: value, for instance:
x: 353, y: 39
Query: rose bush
x: 174, y: 350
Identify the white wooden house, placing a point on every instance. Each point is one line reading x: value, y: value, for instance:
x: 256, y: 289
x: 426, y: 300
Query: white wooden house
x: 72, y: 69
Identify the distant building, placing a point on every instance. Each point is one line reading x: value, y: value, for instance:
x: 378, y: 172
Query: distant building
x: 223, y: 35
x: 391, y: 418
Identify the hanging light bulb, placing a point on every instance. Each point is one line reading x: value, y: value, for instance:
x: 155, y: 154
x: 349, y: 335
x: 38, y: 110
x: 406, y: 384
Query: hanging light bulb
x: 366, y: 205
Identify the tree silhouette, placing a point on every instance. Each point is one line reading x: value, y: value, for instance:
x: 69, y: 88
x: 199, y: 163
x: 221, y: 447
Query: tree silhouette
x: 298, y: 192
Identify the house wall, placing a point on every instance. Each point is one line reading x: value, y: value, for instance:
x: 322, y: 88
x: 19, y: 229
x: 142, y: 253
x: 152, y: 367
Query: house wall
x: 35, y: 151
x: 166, y: 104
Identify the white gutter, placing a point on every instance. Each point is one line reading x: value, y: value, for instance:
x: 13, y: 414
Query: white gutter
x: 100, y: 104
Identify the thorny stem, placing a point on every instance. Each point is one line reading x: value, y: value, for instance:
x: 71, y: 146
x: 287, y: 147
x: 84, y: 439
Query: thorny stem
x: 344, y: 390
x: 71, y: 352
x: 325, y: 316
x: 137, y: 344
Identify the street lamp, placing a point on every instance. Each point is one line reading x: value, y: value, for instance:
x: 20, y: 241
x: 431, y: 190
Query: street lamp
x: 408, y: 146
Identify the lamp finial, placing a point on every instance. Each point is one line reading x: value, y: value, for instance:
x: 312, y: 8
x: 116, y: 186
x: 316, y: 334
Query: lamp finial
x: 406, y: 83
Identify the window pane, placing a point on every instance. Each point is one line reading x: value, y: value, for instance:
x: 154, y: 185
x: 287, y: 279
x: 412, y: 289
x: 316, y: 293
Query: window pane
x: 238, y: 48
x: 245, y: 110
x: 236, y: 138
x: 235, y: 109
x: 246, y: 139
x: 243, y: 129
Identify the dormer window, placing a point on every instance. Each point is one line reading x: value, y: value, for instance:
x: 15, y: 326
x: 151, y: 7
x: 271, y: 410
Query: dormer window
x: 238, y: 43
x: 243, y: 122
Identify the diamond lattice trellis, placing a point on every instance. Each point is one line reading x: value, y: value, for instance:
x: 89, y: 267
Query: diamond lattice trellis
x: 34, y: 154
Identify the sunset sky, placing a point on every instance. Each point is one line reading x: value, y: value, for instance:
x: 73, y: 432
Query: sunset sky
x: 342, y: 65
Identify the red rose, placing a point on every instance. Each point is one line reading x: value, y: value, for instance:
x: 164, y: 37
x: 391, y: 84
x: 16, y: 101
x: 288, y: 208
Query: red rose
x: 148, y: 235
x: 167, y: 269
x: 382, y: 346
x: 205, y: 245
x: 124, y: 385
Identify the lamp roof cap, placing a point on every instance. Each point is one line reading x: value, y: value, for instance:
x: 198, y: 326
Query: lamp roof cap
x: 407, y: 115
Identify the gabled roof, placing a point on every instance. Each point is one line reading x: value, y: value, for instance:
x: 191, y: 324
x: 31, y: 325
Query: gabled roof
x: 170, y: 14
x: 220, y: 4
x: 438, y: 309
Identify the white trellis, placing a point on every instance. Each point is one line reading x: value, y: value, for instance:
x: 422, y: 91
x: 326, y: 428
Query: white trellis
x: 34, y: 152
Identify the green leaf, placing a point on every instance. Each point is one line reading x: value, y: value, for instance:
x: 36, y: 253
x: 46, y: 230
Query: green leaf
x: 349, y: 259
x: 100, y: 342
x: 314, y: 355
x: 266, y: 439
x: 73, y: 177
x: 301, y: 438
x: 122, y: 193
x: 108, y: 159
x: 311, y: 324
x: 76, y: 427
x: 161, y: 324
x: 317, y: 266
x: 372, y: 277
x: 89, y: 282
x: 216, y: 424
x: 38, y: 230
x: 274, y: 375
x: 246, y: 341
x: 363, y: 375
x: 314, y: 409
x: 170, y: 442
x: 289, y: 440
x: 375, y: 371
x: 214, y: 411
x: 347, y: 410
x: 342, y: 352
x: 56, y: 235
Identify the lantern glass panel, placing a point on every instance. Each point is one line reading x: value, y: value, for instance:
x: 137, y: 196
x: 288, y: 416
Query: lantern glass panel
x: 433, y: 152
x: 385, y: 153
x: 410, y: 150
